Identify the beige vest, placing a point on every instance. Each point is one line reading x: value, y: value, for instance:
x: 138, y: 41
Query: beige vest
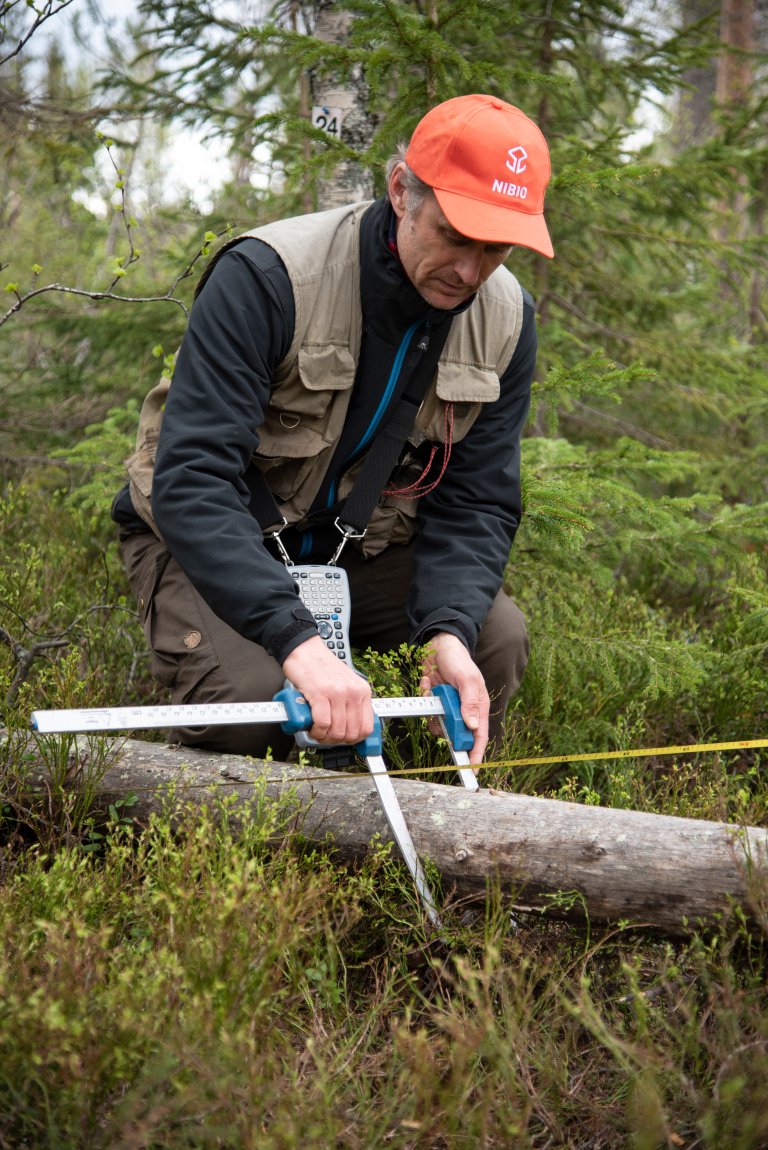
x: 313, y: 384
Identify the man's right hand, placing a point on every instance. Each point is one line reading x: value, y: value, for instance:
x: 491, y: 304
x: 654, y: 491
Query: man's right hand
x: 340, y: 699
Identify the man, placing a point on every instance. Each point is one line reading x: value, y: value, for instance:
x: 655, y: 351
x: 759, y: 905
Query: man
x: 304, y: 336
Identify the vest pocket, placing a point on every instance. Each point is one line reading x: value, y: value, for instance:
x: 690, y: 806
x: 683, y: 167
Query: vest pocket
x: 286, y: 477
x: 395, y: 521
x: 304, y: 419
x: 307, y: 408
x: 467, y: 386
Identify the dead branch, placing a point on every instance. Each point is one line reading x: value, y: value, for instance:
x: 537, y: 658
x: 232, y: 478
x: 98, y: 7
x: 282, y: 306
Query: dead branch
x: 25, y: 657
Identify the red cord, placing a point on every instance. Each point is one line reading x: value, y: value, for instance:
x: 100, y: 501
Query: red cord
x: 415, y: 490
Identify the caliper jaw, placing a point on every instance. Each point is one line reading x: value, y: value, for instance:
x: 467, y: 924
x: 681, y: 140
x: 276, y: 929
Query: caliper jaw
x: 460, y: 740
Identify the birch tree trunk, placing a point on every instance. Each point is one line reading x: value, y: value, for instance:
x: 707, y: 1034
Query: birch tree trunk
x: 548, y: 857
x: 340, y: 107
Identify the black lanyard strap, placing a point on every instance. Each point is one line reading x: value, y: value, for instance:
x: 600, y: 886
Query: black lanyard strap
x: 371, y: 479
x: 377, y: 467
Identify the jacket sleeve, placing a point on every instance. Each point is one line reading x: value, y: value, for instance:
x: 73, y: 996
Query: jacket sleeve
x: 468, y: 523
x: 240, y: 327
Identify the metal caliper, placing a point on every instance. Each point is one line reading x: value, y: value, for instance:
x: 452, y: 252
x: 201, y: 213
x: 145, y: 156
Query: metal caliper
x: 293, y: 713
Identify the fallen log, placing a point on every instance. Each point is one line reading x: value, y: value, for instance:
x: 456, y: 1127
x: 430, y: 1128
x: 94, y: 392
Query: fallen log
x: 660, y: 872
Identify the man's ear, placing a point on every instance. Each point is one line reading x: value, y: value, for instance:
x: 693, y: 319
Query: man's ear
x: 396, y: 190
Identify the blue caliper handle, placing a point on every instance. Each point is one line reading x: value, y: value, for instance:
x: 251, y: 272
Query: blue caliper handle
x: 299, y: 718
x: 373, y: 744
x: 459, y: 734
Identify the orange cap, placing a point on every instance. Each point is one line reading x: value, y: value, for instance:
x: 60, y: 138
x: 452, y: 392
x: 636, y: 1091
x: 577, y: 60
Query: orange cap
x: 488, y: 165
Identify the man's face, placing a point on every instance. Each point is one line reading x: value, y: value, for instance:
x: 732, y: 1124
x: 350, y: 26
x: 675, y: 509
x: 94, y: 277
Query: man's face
x: 445, y: 267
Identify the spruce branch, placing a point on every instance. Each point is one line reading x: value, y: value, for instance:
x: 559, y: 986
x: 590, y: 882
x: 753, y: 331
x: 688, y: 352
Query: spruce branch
x: 591, y: 414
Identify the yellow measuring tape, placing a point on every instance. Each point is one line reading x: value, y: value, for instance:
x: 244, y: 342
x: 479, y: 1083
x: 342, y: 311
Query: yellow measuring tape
x: 343, y: 776
x: 591, y: 756
x: 635, y: 753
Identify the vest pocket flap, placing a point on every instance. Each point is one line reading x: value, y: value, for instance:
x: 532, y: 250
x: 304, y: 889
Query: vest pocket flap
x: 326, y: 367
x: 289, y: 442
x: 306, y: 412
x: 467, y: 383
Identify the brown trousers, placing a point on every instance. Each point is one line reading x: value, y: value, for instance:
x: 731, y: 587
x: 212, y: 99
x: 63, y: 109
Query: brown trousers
x: 203, y: 660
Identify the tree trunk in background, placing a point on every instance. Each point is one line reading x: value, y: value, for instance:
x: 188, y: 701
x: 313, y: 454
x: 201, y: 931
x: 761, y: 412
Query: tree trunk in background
x: 308, y: 201
x: 544, y: 856
x: 725, y: 81
x: 725, y: 85
x: 735, y: 78
x: 695, y: 102
x: 735, y: 71
x: 743, y: 32
x: 346, y: 98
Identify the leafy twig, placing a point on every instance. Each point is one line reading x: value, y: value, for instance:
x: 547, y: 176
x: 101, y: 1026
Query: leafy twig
x: 42, y: 13
x: 120, y: 269
x: 167, y: 297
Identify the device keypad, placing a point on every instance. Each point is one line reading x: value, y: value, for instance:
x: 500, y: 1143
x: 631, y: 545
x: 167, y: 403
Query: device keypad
x: 325, y: 592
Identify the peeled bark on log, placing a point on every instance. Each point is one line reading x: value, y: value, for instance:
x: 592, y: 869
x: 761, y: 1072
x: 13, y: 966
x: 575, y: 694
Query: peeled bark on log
x: 658, y: 872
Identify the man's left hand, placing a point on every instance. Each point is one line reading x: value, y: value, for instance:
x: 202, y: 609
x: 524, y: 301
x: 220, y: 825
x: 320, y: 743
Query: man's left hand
x: 448, y: 661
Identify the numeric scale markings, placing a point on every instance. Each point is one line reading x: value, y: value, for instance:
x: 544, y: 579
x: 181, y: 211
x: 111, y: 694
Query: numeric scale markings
x: 205, y: 714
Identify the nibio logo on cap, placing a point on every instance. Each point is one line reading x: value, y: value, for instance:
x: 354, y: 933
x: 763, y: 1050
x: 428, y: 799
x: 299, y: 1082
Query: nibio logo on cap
x: 516, y: 163
x: 488, y: 165
x: 517, y: 157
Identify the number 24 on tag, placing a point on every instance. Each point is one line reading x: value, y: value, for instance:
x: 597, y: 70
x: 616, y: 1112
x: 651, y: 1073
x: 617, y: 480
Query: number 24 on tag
x: 327, y: 119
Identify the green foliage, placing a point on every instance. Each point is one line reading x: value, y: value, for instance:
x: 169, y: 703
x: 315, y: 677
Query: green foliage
x: 64, y: 602
x: 83, y: 269
x: 101, y: 454
x: 197, y: 972
x: 407, y: 743
x: 257, y: 932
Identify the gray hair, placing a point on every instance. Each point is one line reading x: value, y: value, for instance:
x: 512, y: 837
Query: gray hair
x: 415, y: 189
